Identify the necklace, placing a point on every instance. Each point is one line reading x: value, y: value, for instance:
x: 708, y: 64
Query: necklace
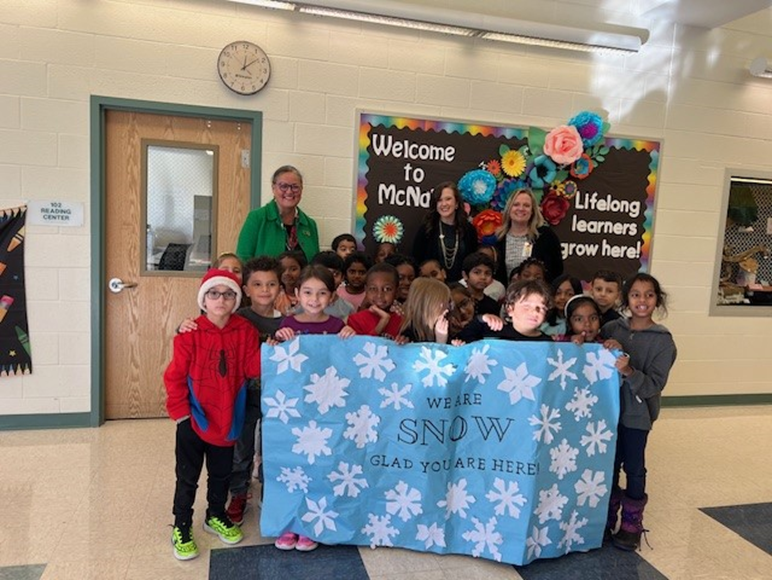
x: 448, y: 254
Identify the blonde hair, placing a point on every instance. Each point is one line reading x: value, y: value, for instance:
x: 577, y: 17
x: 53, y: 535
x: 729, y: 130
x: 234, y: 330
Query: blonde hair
x: 425, y: 301
x: 534, y: 223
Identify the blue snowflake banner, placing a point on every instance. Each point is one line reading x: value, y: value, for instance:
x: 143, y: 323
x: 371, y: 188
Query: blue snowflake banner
x: 499, y: 450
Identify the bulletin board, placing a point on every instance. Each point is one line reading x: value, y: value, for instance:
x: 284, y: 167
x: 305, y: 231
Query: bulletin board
x: 601, y: 207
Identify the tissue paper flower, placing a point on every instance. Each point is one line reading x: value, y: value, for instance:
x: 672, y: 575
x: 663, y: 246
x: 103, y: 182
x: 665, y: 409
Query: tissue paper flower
x: 590, y: 127
x: 563, y: 145
x: 477, y: 186
x: 513, y: 163
x: 486, y: 222
x: 388, y: 229
x: 543, y: 172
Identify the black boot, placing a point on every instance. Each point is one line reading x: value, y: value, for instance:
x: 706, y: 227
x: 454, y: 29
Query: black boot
x: 629, y: 535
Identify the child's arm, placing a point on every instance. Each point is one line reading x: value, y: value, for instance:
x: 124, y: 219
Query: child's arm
x: 284, y: 333
x: 494, y: 322
x: 346, y: 332
x: 441, y: 328
x: 650, y: 381
x: 187, y: 325
x: 176, y: 379
x: 383, y: 322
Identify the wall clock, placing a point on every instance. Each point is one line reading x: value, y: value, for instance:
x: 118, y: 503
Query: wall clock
x: 244, y: 67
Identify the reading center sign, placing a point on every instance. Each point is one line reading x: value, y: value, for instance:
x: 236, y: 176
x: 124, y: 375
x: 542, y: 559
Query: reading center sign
x: 603, y: 218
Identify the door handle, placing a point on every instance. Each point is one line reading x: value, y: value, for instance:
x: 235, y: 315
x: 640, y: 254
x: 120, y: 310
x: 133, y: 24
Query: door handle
x: 115, y: 285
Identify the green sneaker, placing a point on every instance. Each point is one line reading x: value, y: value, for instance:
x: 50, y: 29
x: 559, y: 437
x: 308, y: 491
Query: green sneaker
x: 184, y: 545
x: 223, y: 528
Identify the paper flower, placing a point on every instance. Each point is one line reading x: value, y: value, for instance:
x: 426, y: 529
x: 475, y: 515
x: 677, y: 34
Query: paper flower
x: 493, y: 167
x: 543, y: 172
x: 503, y: 192
x: 554, y: 208
x: 590, y: 127
x: 477, y: 186
x: 486, y: 222
x: 563, y: 145
x: 513, y: 163
x: 582, y: 167
x: 567, y: 189
x: 388, y: 229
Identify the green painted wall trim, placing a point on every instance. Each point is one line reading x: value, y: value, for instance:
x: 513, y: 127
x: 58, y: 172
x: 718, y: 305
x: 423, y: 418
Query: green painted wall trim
x: 718, y: 400
x: 53, y: 421
x: 98, y: 107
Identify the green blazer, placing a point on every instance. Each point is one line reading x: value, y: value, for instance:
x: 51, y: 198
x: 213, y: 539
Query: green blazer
x: 263, y: 234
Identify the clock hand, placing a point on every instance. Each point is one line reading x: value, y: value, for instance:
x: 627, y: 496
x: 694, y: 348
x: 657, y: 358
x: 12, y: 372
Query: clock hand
x: 245, y: 62
x: 250, y: 64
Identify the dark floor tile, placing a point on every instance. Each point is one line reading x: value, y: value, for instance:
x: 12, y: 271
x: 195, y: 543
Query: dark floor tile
x: 268, y: 563
x: 606, y: 563
x: 753, y: 522
x: 31, y: 572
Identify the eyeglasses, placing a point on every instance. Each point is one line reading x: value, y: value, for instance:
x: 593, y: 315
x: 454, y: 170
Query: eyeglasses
x: 215, y: 295
x: 287, y: 187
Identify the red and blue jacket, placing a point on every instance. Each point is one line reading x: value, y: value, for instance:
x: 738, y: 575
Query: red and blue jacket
x: 208, y: 375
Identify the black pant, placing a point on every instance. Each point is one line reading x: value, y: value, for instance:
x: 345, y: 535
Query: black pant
x: 190, y: 452
x: 631, y: 456
x: 244, y: 451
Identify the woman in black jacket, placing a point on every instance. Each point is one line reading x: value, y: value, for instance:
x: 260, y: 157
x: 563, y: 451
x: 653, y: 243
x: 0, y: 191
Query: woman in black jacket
x: 523, y: 234
x: 446, y: 234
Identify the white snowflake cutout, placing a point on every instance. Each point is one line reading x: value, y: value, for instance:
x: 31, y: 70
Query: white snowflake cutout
x: 380, y: 530
x: 431, y: 361
x: 506, y: 497
x: 597, y: 438
x: 536, y: 541
x: 571, y: 528
x: 281, y: 407
x: 551, y: 504
x: 403, y: 501
x: 599, y: 365
x: 327, y: 390
x: 581, y: 404
x: 294, y: 479
x: 362, y: 424
x: 350, y: 484
x: 479, y: 364
x: 374, y: 361
x: 457, y: 499
x: 590, y: 488
x: 431, y: 535
x: 562, y: 369
x: 519, y: 384
x: 288, y: 358
x: 318, y: 511
x: 484, y: 536
x: 396, y: 397
x: 563, y: 459
x: 312, y: 441
x: 546, y: 424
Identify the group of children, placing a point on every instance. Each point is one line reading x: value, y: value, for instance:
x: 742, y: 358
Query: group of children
x: 213, y: 378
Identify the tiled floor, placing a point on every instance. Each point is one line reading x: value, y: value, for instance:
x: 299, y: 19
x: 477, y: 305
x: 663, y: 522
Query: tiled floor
x: 95, y: 503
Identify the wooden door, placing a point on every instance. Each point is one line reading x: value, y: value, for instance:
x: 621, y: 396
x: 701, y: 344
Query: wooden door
x: 141, y: 320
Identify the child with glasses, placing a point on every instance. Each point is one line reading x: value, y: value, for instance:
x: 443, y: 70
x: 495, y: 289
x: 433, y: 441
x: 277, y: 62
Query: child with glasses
x: 206, y: 389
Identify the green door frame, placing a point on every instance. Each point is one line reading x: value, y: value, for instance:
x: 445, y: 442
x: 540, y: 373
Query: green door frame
x: 99, y: 106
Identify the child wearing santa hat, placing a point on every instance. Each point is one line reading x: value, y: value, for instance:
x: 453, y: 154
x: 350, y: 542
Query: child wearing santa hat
x: 206, y: 388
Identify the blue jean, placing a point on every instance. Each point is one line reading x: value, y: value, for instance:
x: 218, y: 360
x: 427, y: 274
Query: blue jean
x: 631, y: 456
x: 244, y: 451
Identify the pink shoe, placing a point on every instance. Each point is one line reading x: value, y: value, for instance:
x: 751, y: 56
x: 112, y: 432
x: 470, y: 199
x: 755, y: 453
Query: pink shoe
x: 287, y: 541
x: 305, y: 544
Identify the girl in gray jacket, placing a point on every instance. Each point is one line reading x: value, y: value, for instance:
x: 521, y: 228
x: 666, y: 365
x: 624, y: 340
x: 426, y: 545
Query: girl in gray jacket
x: 649, y: 354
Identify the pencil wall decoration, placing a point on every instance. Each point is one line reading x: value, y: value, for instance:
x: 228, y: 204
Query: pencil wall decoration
x: 15, y: 358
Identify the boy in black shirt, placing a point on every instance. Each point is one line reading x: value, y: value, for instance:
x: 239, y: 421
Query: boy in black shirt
x: 478, y: 273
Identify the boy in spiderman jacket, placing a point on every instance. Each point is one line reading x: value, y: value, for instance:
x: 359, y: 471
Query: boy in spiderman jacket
x: 206, y: 386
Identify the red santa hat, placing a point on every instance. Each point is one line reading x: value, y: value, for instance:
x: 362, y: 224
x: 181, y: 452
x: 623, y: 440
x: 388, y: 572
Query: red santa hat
x: 215, y: 277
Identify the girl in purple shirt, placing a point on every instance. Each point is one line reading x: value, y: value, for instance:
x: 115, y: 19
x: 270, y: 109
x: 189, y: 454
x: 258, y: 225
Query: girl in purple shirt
x: 314, y: 291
